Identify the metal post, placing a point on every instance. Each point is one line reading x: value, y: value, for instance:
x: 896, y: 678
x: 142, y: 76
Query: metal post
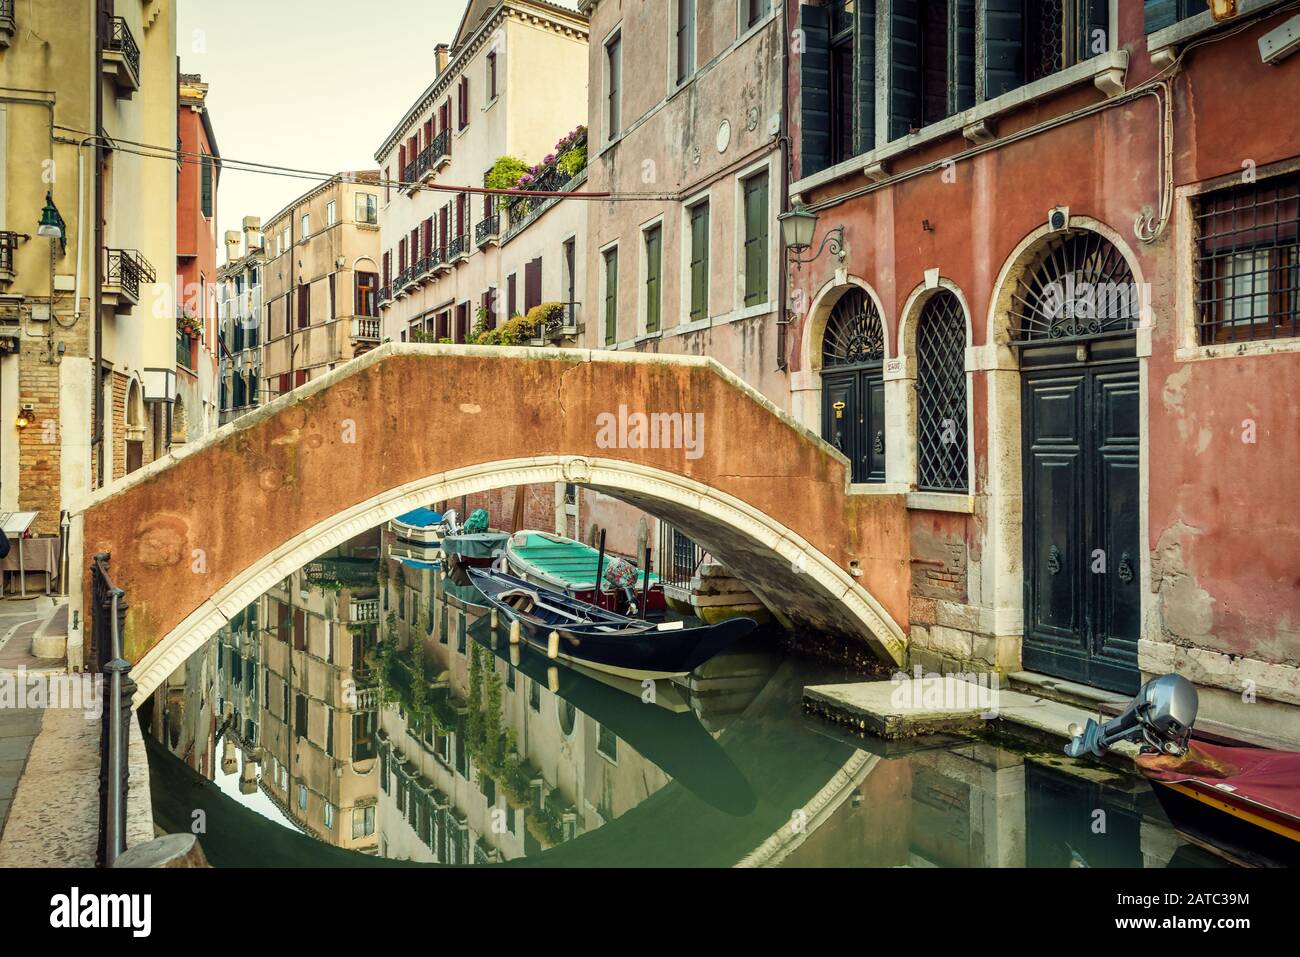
x: 118, y: 671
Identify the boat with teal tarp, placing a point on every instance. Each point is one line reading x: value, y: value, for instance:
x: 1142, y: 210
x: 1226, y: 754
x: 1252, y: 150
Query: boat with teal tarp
x: 569, y: 566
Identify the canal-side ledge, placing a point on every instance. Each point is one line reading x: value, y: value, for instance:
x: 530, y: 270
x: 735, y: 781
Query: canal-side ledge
x: 893, y: 710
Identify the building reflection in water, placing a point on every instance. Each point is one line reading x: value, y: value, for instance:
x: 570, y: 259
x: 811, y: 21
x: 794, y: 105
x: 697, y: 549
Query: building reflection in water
x: 369, y: 701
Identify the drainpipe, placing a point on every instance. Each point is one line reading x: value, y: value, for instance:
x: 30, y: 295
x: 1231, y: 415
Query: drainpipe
x: 97, y: 293
x: 783, y: 143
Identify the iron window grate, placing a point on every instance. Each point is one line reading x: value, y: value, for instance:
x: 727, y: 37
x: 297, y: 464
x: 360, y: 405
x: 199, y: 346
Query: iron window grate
x: 1081, y: 288
x: 1248, y: 262
x: 854, y: 334
x: 941, y: 395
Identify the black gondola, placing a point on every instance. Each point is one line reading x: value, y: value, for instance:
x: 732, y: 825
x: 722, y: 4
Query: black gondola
x: 601, y: 639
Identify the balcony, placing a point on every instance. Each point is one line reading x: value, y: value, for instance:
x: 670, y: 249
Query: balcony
x: 440, y: 150
x: 404, y: 280
x: 125, y: 270
x: 8, y: 245
x: 342, y: 571
x: 363, y: 609
x: 365, y: 329
x: 458, y: 249
x: 422, y: 268
x: 431, y: 264
x: 441, y: 261
x: 488, y: 231
x: 122, y: 58
x: 560, y: 324
x: 184, y: 352
x: 7, y: 26
x: 385, y: 296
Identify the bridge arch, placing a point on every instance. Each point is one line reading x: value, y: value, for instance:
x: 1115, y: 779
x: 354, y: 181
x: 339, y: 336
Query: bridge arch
x: 198, y: 534
x: 728, y: 527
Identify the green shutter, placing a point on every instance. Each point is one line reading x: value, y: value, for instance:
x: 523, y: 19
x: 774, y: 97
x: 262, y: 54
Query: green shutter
x: 206, y: 177
x: 904, y: 67
x: 814, y: 91
x: 653, y: 258
x: 1004, y: 47
x: 756, y: 240
x: 961, y: 90
x: 611, y: 297
x: 864, y: 77
x: 700, y: 261
x: 1160, y: 14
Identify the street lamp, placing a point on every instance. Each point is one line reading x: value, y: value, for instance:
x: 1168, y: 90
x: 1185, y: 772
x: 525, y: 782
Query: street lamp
x: 51, y: 225
x: 798, y: 226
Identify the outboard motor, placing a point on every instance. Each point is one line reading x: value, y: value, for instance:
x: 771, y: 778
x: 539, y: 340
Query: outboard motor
x: 1161, y: 715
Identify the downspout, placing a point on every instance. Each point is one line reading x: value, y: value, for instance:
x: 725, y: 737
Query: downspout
x: 97, y: 292
x: 783, y: 144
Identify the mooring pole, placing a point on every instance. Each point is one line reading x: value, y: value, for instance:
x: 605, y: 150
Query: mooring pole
x: 600, y: 567
x: 645, y: 579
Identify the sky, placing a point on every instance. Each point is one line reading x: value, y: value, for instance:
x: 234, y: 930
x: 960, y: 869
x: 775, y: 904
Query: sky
x: 311, y: 84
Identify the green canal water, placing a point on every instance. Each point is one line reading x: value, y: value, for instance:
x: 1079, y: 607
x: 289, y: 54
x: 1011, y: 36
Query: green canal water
x: 280, y: 744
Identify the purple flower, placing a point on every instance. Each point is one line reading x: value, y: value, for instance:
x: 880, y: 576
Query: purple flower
x: 550, y: 160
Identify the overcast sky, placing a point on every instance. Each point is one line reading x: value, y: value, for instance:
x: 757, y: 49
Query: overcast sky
x: 311, y: 84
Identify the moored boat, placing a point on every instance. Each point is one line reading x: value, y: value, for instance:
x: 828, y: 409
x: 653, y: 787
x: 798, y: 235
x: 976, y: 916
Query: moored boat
x: 563, y: 564
x: 604, y: 640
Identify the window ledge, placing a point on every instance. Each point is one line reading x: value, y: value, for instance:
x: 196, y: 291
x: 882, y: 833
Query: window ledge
x: 647, y: 337
x: 941, y: 502
x: 877, y: 488
x: 1192, y: 27
x: 1238, y: 350
x: 1089, y: 71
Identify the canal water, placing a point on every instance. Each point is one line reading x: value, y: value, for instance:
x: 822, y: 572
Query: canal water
x: 365, y: 712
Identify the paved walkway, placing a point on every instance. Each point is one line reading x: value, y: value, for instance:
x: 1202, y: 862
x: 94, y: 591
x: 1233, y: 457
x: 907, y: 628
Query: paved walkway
x: 18, y: 729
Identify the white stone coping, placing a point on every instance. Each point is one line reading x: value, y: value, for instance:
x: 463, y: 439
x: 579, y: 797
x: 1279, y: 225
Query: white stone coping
x: 941, y: 502
x: 1085, y: 72
x: 1192, y: 27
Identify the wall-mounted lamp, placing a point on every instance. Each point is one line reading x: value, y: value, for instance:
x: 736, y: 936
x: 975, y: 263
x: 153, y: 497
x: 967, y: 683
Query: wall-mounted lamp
x: 1222, y: 9
x: 26, y: 415
x: 799, y: 226
x: 51, y: 225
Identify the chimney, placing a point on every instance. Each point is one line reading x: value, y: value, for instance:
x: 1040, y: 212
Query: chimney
x: 233, y: 240
x: 440, y: 55
x: 252, y: 233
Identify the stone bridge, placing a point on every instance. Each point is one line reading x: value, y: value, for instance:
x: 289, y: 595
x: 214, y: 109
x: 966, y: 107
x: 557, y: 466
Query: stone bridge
x: 201, y: 533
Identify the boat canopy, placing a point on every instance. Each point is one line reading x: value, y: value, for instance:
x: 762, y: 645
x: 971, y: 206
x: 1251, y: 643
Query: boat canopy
x: 420, y: 518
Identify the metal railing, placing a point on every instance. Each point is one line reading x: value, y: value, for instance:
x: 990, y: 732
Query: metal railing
x: 440, y: 147
x: 120, y: 40
x: 385, y: 295
x: 6, y: 9
x: 679, y: 557
x: 128, y: 269
x: 487, y: 229
x: 108, y: 621
x: 457, y: 247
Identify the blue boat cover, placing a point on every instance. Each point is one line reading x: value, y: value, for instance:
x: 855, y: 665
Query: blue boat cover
x: 416, y: 563
x: 420, y: 518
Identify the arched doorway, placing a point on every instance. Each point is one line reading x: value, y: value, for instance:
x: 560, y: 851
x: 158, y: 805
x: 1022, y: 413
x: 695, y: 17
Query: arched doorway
x: 853, y: 384
x: 1074, y: 313
x: 134, y: 427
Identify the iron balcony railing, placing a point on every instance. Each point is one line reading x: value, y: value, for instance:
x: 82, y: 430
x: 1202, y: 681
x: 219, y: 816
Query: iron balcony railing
x: 440, y: 148
x: 436, y: 256
x: 385, y: 295
x: 344, y: 570
x: 457, y: 247
x: 487, y: 229
x: 120, y: 40
x: 679, y: 557
x: 423, y: 266
x: 405, y: 278
x: 128, y: 269
x: 8, y: 239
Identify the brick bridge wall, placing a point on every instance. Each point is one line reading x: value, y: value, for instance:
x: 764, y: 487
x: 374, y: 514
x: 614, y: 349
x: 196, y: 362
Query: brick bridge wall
x: 184, y: 530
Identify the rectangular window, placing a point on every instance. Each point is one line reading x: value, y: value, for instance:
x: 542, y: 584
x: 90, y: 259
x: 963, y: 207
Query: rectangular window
x: 756, y: 10
x: 492, y: 75
x: 300, y: 715
x: 699, y: 261
x: 511, y: 301
x: 331, y: 213
x: 464, y: 102
x: 841, y: 80
x: 685, y: 47
x: 306, y: 226
x: 607, y: 743
x: 367, y: 294
x: 614, y: 87
x: 367, y: 208
x: 1248, y: 262
x: 304, y: 306
x: 363, y: 822
x: 611, y: 296
x: 654, y: 253
x: 205, y: 191
x: 532, y: 284
x: 756, y: 239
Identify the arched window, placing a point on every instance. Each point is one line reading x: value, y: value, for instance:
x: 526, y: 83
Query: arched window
x: 941, y: 395
x: 1081, y: 288
x: 853, y: 384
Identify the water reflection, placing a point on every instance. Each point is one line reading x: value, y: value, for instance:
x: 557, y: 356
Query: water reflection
x: 365, y: 711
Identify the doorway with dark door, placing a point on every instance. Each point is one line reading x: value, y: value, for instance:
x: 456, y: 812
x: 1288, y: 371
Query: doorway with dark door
x: 853, y: 384
x: 1080, y: 461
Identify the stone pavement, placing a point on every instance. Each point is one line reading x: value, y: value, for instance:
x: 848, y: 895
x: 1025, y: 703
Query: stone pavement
x: 18, y: 729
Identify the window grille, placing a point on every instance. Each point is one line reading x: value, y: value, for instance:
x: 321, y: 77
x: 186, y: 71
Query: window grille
x: 1248, y: 262
x: 854, y: 334
x: 941, y: 395
x: 1081, y: 288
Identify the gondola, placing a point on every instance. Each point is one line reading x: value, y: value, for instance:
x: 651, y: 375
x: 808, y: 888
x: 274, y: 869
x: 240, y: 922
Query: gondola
x: 600, y: 639
x: 563, y: 564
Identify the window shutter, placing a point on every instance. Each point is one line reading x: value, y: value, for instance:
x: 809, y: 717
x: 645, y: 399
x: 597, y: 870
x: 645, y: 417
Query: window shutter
x: 814, y: 90
x: 905, y: 66
x: 511, y: 298
x: 611, y: 297
x: 700, y: 261
x: 653, y: 264
x: 1160, y: 14
x: 864, y: 77
x: 756, y: 240
x: 532, y: 284
x: 1004, y: 47
x: 962, y: 83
